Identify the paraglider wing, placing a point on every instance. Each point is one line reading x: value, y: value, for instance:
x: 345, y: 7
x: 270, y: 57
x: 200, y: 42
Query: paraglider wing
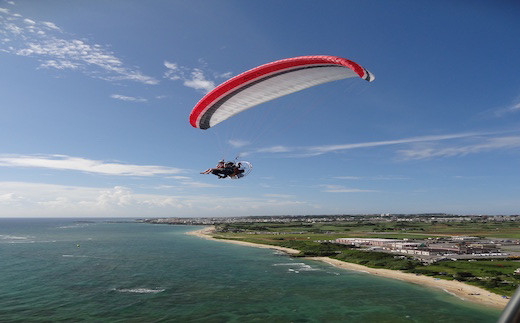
x: 271, y: 81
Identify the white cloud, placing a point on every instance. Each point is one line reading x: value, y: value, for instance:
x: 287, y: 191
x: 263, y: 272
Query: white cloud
x: 237, y: 143
x: 46, y: 42
x: 172, y: 71
x: 10, y: 198
x: 342, y: 189
x: 60, y: 65
x: 44, y: 200
x: 488, y: 144
x: 282, y: 196
x: 61, y: 162
x: 194, y: 78
x: 171, y: 66
x: 373, y: 178
x: 38, y: 199
x: 118, y: 196
x: 199, y: 82
x: 11, y: 30
x: 333, y: 148
x: 186, y: 181
x: 515, y: 107
x: 180, y: 177
x: 424, y: 150
x: 195, y: 184
x: 127, y: 98
x: 349, y: 177
x: 275, y: 149
x: 224, y: 75
x: 50, y: 25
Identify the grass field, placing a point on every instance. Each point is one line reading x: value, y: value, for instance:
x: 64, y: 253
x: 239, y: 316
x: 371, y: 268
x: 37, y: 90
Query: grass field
x: 389, y: 229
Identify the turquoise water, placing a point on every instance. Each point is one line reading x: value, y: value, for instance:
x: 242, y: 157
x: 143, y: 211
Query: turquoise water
x: 62, y: 270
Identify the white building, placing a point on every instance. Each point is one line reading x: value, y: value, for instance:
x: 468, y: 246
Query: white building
x: 368, y: 242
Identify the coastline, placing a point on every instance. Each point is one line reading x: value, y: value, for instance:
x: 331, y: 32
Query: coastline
x: 205, y: 234
x: 461, y: 290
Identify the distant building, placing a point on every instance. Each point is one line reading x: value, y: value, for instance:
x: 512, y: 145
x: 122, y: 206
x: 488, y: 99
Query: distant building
x: 464, y: 238
x: 367, y: 241
x: 443, y: 248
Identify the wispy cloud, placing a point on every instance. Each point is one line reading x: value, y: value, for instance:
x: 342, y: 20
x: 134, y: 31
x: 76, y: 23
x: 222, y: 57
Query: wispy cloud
x: 53, y: 48
x: 198, y: 81
x: 197, y: 184
x: 173, y: 71
x: 373, y: 178
x: 342, y: 189
x: 276, y: 149
x: 488, y: 144
x: 512, y: 108
x: 128, y: 98
x: 237, y: 143
x: 281, y: 196
x: 62, y: 162
x: 194, y: 78
x: 334, y: 148
x: 349, y: 177
x: 186, y: 181
x: 225, y: 75
x: 482, y: 142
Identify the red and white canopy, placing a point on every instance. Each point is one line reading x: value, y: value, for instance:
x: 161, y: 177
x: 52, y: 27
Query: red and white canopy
x: 271, y: 81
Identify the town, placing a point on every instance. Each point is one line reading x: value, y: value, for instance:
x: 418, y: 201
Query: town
x: 432, y: 250
x: 374, y: 218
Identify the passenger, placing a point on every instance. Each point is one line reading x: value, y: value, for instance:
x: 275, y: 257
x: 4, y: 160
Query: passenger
x: 219, y: 166
x: 226, y: 169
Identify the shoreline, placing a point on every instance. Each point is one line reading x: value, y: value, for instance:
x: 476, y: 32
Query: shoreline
x: 205, y: 234
x: 461, y: 290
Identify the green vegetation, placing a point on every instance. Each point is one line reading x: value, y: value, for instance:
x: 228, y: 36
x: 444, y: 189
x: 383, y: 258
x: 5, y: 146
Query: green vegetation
x: 494, y: 275
x: 397, y: 230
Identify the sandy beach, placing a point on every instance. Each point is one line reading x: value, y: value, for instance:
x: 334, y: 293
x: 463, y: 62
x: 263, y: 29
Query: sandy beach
x: 463, y: 291
x: 205, y: 233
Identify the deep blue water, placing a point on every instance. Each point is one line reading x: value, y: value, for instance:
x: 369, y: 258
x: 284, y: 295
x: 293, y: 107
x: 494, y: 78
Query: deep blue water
x: 64, y: 270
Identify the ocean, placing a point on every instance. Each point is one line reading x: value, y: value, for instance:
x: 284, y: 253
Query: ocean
x: 107, y: 271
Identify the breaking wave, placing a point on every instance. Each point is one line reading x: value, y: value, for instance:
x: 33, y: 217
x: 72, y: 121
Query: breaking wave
x: 297, y: 267
x: 139, y: 290
x: 7, y: 238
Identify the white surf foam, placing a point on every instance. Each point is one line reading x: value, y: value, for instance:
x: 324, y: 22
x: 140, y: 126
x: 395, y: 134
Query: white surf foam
x: 291, y: 264
x: 7, y: 238
x: 139, y: 290
x: 297, y: 267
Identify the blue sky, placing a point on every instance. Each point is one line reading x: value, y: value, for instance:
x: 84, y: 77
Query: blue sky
x: 95, y: 98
